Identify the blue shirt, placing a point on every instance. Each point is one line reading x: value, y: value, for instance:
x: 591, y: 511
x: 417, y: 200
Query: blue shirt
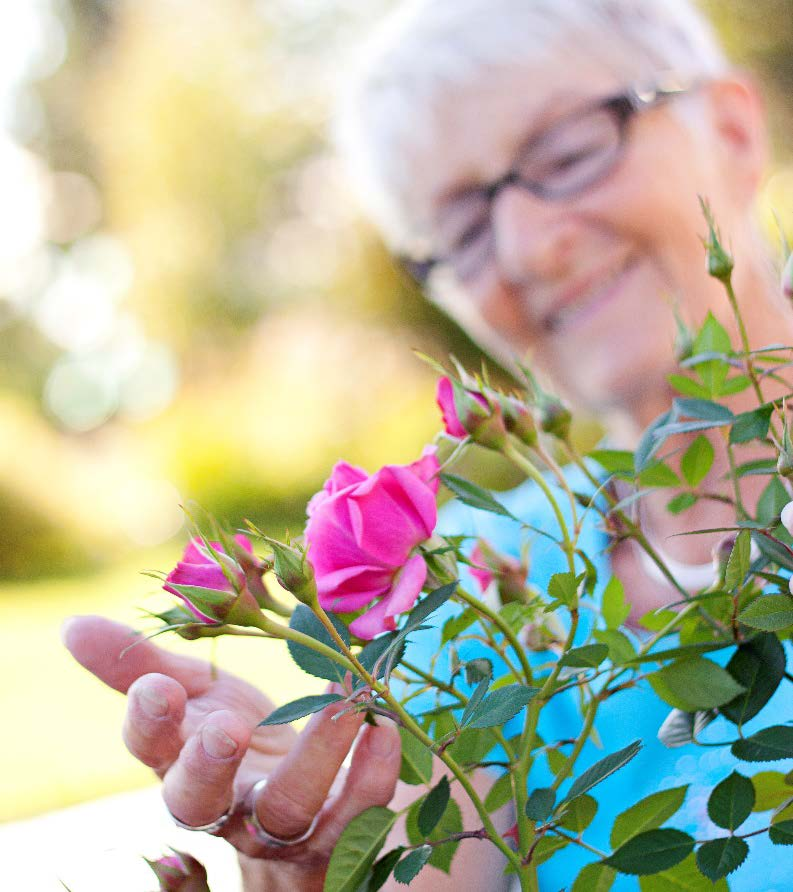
x: 632, y: 714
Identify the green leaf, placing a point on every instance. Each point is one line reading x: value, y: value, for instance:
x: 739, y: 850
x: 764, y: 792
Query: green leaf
x: 416, y: 760
x: 620, y: 648
x: 517, y: 615
x: 760, y: 468
x: 771, y: 790
x: 705, y: 410
x: 652, y: 852
x: 499, y: 794
x: 758, y: 665
x: 303, y: 620
x: 781, y: 834
x: 427, y: 606
x: 771, y: 502
x: 712, y: 339
x: 614, y: 607
x: 720, y: 857
x: 658, y: 474
x: 475, y: 700
x: 357, y: 848
x: 649, y: 813
x: 370, y: 654
x: 456, y: 625
x: 540, y: 803
x: 774, y: 551
x: 564, y: 587
x: 738, y: 561
x: 433, y: 806
x: 597, y: 877
x: 474, y: 496
x: 408, y: 868
x: 451, y: 822
x: 547, y: 847
x: 614, y: 461
x: 768, y: 745
x: 752, y: 425
x: 685, y: 877
x: 473, y: 745
x: 649, y: 443
x: 382, y: 870
x: 694, y: 683
x: 731, y: 801
x: 681, y: 503
x: 736, y: 384
x: 771, y: 613
x: 601, y: 770
x: 588, y: 656
x: 697, y: 460
x: 501, y: 705
x: 300, y: 708
x: 688, y: 386
x: 579, y: 813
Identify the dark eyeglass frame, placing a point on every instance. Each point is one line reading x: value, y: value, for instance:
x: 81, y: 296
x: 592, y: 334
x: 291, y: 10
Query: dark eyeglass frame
x: 623, y: 106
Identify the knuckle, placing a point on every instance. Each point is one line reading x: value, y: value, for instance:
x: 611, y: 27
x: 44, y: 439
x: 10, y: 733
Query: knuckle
x: 284, y: 807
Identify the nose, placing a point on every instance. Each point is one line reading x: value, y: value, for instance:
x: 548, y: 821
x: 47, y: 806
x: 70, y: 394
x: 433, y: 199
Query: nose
x: 533, y: 240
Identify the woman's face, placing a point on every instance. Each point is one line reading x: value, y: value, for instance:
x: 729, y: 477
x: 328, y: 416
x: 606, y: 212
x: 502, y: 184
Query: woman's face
x: 587, y: 284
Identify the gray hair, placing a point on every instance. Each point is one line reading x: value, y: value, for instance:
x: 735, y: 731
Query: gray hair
x: 427, y: 46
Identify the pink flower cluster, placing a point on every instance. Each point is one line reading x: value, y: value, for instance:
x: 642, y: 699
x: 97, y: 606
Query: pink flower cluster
x: 362, y: 533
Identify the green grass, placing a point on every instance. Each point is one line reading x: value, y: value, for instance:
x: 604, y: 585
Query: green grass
x: 61, y: 740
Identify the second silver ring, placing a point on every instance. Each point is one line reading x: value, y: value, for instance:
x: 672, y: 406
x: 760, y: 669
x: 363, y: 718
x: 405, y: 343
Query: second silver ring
x: 267, y: 838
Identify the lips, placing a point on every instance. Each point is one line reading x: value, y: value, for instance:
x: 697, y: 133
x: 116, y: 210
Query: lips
x: 581, y: 301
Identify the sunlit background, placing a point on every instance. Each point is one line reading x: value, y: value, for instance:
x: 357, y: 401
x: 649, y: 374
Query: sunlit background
x: 192, y: 311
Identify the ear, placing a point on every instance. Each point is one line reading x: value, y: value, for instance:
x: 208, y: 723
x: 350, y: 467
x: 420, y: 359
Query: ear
x: 737, y: 115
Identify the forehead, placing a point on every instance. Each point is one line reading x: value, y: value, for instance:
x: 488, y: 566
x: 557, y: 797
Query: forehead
x: 475, y: 129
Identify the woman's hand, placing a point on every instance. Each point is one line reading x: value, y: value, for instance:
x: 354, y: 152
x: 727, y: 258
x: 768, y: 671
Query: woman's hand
x: 198, y: 731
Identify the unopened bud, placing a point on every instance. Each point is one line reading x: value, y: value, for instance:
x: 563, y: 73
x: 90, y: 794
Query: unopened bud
x: 179, y: 872
x: 519, y: 420
x: 294, y: 571
x: 555, y: 418
x: 720, y: 263
x: 489, y: 566
x: 467, y: 412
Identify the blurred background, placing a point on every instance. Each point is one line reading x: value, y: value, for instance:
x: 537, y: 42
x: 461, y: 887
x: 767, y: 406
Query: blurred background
x: 191, y: 310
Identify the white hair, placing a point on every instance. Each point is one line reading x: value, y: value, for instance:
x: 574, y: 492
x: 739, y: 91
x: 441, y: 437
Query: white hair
x: 427, y: 46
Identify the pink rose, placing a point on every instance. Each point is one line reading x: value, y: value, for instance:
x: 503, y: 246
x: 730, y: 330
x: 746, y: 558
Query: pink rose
x: 361, y: 533
x: 445, y: 398
x: 199, y: 569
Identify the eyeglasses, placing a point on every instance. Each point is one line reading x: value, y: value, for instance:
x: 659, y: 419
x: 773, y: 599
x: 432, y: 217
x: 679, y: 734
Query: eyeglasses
x: 571, y: 156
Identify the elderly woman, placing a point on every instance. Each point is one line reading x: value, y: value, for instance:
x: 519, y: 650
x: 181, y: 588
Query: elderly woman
x: 540, y: 163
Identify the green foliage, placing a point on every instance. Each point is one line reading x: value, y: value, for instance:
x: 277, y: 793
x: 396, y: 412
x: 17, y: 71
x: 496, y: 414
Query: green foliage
x: 433, y: 807
x: 781, y: 834
x: 303, y: 620
x: 540, y: 804
x: 651, y: 812
x: 597, y: 877
x: 771, y: 613
x: 739, y: 560
x: 731, y: 801
x: 771, y: 790
x: 768, y: 745
x: 588, y: 656
x: 451, y: 822
x: 578, y: 813
x: 614, y: 607
x: 694, y: 683
x: 500, y: 706
x: 651, y: 852
x: 416, y: 765
x: 410, y: 866
x: 474, y: 496
x: 759, y: 666
x: 298, y: 709
x: 697, y: 461
x: 601, y: 770
x: 357, y: 848
x: 720, y: 857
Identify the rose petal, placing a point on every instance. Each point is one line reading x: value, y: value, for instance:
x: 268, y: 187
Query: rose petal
x: 407, y: 586
x: 445, y: 400
x: 372, y: 623
x: 202, y: 575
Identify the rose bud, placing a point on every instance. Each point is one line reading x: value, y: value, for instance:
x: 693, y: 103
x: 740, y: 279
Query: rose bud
x: 787, y: 278
x: 469, y: 413
x: 508, y: 573
x: 519, y: 420
x: 555, y: 418
x: 180, y: 872
x: 213, y: 585
x: 294, y: 572
x: 363, y: 536
x: 720, y: 263
x: 786, y: 517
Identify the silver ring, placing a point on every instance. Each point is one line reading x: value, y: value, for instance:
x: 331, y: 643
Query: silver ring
x: 261, y: 834
x: 211, y: 828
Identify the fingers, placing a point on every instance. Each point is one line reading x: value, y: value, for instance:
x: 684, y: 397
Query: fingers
x: 298, y: 787
x: 103, y: 647
x: 155, y: 711
x: 199, y: 786
x: 372, y: 777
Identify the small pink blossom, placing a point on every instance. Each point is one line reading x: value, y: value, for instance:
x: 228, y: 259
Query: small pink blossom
x: 479, y: 569
x: 453, y: 423
x: 362, y: 533
x: 180, y: 872
x: 509, y: 573
x: 469, y: 413
x: 199, y: 568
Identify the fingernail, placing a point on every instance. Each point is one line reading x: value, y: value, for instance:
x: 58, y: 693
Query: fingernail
x: 153, y: 704
x: 382, y: 741
x: 65, y: 626
x: 217, y: 743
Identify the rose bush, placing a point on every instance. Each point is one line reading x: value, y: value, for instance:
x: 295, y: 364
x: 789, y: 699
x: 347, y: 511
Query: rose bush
x: 361, y: 533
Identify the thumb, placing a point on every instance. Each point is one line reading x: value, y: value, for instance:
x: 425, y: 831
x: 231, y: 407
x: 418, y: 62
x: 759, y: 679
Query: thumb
x: 118, y: 655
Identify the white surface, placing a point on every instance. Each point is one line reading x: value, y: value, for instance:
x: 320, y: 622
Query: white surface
x: 100, y: 846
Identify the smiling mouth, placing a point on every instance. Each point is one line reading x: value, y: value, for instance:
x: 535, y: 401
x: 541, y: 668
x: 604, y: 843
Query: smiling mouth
x: 586, y: 303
